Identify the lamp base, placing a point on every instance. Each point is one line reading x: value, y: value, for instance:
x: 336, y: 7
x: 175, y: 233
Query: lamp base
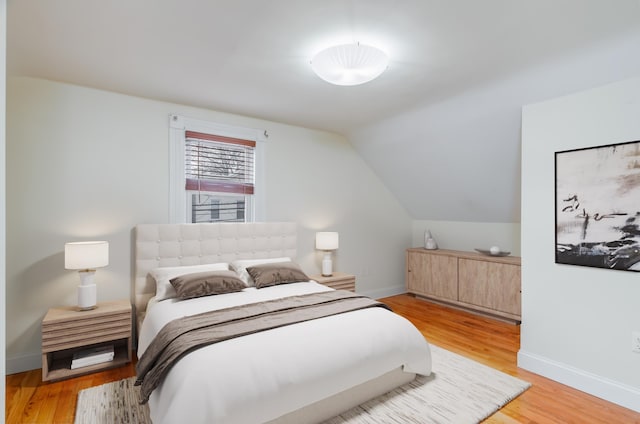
x: 88, y: 308
x: 327, y: 265
x: 87, y: 291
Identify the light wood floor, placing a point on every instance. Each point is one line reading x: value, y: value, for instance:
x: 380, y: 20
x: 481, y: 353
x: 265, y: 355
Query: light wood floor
x: 491, y: 342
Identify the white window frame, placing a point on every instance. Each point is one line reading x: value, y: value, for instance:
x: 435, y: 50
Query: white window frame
x: 178, y: 201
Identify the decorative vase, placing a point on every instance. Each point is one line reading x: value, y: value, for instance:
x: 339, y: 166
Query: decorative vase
x: 429, y: 242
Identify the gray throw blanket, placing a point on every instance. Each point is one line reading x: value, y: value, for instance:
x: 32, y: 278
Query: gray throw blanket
x: 184, y: 335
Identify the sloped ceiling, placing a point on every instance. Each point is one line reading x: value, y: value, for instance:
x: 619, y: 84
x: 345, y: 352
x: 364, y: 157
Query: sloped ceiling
x: 251, y: 57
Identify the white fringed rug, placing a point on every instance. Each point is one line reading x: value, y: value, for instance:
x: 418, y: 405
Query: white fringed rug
x: 458, y: 391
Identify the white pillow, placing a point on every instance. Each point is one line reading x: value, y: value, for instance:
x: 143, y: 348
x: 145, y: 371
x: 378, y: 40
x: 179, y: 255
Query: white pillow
x: 164, y: 289
x: 240, y: 267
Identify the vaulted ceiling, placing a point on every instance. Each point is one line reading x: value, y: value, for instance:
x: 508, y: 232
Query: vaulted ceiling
x: 251, y: 57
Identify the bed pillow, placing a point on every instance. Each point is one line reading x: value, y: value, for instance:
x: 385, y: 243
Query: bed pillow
x: 163, y: 275
x: 206, y: 284
x: 240, y: 266
x: 266, y: 275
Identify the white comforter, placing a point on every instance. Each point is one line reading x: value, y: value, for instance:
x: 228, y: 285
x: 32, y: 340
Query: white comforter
x: 263, y: 376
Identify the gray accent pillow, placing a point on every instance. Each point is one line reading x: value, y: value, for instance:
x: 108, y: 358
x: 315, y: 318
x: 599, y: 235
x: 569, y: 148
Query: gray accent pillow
x: 266, y: 275
x: 209, y: 283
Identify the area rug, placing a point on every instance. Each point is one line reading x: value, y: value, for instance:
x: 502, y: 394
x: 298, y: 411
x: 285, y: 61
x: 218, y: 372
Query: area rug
x: 458, y: 391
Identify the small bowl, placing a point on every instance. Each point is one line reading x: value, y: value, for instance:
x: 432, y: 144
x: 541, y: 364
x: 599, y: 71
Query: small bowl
x: 488, y: 252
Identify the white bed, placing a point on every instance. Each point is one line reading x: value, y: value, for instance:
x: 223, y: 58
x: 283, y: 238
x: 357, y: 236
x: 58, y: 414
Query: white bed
x: 305, y: 372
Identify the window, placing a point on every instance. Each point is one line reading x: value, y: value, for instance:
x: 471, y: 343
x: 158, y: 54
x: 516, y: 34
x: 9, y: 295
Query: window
x: 215, y: 172
x: 208, y: 207
x: 219, y: 176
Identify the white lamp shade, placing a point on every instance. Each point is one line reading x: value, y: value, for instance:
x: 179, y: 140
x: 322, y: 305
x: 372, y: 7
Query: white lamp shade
x: 86, y: 255
x: 349, y: 64
x: 327, y: 241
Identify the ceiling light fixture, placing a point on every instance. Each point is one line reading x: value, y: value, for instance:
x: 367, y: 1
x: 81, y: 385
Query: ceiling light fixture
x: 349, y: 64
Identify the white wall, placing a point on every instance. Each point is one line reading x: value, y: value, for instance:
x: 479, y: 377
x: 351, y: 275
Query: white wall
x: 85, y: 164
x: 3, y: 96
x: 457, y: 161
x: 468, y: 236
x: 576, y: 321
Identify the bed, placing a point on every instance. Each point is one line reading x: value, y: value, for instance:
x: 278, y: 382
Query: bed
x: 304, y: 372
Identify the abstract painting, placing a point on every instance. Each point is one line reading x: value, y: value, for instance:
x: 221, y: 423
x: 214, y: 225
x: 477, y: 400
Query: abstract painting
x: 598, y: 206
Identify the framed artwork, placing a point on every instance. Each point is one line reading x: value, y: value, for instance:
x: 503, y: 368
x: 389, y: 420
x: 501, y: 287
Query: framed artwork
x: 598, y: 206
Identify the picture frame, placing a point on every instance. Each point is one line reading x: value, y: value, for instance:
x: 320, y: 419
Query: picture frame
x: 597, y: 206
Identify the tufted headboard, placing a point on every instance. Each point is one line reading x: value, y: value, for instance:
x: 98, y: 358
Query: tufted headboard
x: 159, y: 245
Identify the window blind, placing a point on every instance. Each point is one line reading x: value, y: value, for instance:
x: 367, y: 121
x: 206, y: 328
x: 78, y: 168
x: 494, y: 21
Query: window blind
x: 219, y: 164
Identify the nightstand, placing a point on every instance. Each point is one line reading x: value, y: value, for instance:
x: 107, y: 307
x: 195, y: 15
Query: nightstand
x: 66, y: 330
x: 338, y: 281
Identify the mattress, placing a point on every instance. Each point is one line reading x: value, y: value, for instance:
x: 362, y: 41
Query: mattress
x: 267, y: 375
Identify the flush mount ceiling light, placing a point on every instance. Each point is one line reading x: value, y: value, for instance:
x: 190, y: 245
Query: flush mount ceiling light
x: 349, y: 64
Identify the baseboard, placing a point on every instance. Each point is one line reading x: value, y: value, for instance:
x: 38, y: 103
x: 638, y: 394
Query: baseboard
x: 23, y: 363
x: 476, y: 310
x: 604, y: 388
x: 385, y: 292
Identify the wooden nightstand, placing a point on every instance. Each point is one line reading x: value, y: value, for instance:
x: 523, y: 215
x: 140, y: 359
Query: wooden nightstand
x: 66, y: 330
x: 338, y: 281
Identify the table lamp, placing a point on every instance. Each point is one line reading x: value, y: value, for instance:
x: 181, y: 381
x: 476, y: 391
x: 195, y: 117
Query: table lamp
x: 327, y: 241
x: 86, y: 256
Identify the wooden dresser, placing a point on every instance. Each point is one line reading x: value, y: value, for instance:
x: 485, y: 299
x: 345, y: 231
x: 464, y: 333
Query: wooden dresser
x: 481, y: 283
